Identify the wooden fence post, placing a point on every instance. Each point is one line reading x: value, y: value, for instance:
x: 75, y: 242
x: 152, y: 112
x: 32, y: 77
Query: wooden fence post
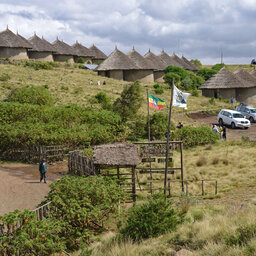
x: 202, y: 187
x: 133, y: 184
x: 216, y: 187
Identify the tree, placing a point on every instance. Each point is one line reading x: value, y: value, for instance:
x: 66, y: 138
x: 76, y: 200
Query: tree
x: 129, y: 103
x: 218, y: 67
x: 206, y: 73
x: 196, y: 62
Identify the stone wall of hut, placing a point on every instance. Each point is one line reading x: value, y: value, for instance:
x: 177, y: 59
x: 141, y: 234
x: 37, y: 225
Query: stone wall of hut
x: 247, y: 95
x: 159, y: 76
x: 146, y: 76
x: 216, y: 93
x: 13, y: 53
x: 43, y: 56
x: 63, y: 58
x: 211, y: 93
x: 116, y: 74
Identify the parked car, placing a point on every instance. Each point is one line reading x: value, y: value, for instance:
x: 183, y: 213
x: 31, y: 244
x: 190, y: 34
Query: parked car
x: 233, y: 118
x: 248, y: 111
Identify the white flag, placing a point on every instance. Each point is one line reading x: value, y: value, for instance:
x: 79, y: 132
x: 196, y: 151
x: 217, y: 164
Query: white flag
x: 179, y: 98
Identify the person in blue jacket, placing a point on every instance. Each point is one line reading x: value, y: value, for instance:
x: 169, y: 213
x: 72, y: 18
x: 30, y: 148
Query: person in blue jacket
x: 42, y: 170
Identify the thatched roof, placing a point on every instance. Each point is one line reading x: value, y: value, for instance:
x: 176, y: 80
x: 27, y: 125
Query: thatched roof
x: 24, y: 40
x: 139, y: 60
x: 192, y: 66
x: 97, y: 53
x: 117, y: 61
x: 253, y: 72
x: 81, y: 50
x: 63, y: 48
x: 246, y: 77
x: 9, y: 39
x: 167, y: 59
x: 157, y: 62
x: 119, y: 154
x: 40, y: 45
x: 180, y: 62
x: 224, y: 79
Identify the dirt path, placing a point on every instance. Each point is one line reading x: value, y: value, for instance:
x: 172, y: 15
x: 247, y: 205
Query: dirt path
x: 232, y: 134
x: 20, y: 187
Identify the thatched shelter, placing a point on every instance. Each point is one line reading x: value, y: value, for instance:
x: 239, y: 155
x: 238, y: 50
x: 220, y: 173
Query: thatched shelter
x: 224, y: 83
x: 145, y: 72
x: 116, y: 155
x: 117, y: 65
x: 247, y: 94
x: 98, y: 55
x: 13, y: 46
x: 63, y: 52
x: 42, y: 49
x: 83, y: 52
x: 158, y: 64
x: 191, y: 66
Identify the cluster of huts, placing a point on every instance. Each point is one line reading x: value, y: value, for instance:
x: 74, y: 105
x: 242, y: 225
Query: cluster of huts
x: 133, y: 66
x: 240, y: 85
x: 17, y: 47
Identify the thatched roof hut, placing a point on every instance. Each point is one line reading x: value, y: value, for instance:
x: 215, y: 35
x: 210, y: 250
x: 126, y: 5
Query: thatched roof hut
x: 158, y: 63
x: 180, y: 62
x: 13, y: 46
x: 82, y: 51
x: 247, y: 78
x: 167, y: 59
x: 64, y: 52
x: 116, y: 155
x: 25, y: 41
x: 41, y: 50
x: 98, y: 55
x: 192, y: 66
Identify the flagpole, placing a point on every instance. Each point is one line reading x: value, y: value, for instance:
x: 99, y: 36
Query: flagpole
x: 167, y: 140
x: 148, y: 118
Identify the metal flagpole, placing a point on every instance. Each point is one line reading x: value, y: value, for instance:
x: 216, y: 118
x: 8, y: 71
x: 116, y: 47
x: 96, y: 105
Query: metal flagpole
x: 167, y: 141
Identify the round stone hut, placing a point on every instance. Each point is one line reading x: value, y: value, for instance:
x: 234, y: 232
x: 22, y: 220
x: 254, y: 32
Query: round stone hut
x: 63, y: 52
x: 82, y: 52
x: 13, y: 46
x: 42, y: 49
x: 98, y: 55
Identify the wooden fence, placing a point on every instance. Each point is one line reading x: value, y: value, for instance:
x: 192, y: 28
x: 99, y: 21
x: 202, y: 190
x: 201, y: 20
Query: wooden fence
x: 35, y: 154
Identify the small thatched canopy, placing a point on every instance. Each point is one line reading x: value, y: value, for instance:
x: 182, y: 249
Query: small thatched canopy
x: 224, y: 79
x: 117, y: 61
x: 118, y: 155
x: 192, y: 66
x: 140, y: 61
x: 157, y: 62
x: 253, y: 72
x: 40, y: 45
x: 97, y: 53
x: 168, y: 59
x: 10, y: 40
x: 63, y: 48
x: 249, y: 79
x: 81, y: 50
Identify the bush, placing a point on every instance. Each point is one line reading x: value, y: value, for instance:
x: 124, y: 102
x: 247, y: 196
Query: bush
x: 39, y: 65
x: 195, y: 93
x: 196, y: 62
x: 156, y: 85
x: 151, y: 219
x: 80, y: 60
x: 82, y: 204
x: 159, y: 90
x: 212, y: 101
x: 5, y: 77
x: 245, y: 138
x: 138, y: 129
x: 193, y: 136
x: 104, y: 100
x: 218, y: 67
x: 206, y: 73
x: 159, y: 125
x: 31, y: 95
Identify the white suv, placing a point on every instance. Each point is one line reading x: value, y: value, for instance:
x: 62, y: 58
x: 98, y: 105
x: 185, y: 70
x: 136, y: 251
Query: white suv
x: 233, y: 118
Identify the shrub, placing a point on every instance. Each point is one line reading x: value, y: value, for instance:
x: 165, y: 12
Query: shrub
x: 156, y: 85
x: 220, y: 97
x: 138, y: 129
x: 219, y: 66
x: 245, y: 138
x: 31, y: 95
x: 159, y: 90
x: 159, y: 125
x: 192, y: 136
x: 39, y: 65
x: 212, y: 101
x: 206, y: 73
x: 5, y: 77
x: 196, y: 62
x: 198, y: 215
x: 80, y: 60
x: 104, y: 100
x: 195, y: 93
x: 82, y: 204
x: 151, y: 219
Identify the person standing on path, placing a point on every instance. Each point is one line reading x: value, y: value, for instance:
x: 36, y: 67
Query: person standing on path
x: 232, y: 102
x: 42, y: 170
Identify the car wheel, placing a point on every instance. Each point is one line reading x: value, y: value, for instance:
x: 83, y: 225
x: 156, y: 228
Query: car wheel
x: 251, y: 119
x: 233, y: 126
x: 220, y: 122
x: 246, y: 128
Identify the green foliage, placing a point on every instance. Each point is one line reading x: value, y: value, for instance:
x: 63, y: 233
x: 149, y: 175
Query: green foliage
x: 151, y: 219
x: 5, y: 77
x: 182, y: 73
x: 156, y: 85
x: 220, y: 97
x: 128, y: 105
x: 193, y: 136
x: 32, y: 95
x: 168, y: 78
x: 212, y: 101
x: 138, y: 129
x: 25, y: 125
x: 82, y: 204
x: 104, y: 100
x: 206, y: 73
x: 195, y: 93
x: 196, y: 62
x: 40, y: 65
x: 245, y: 138
x: 33, y: 237
x: 159, y: 90
x: 218, y: 67
x: 80, y: 60
x: 159, y: 125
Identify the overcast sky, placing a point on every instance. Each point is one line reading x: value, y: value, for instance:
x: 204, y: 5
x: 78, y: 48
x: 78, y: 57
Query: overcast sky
x: 198, y: 29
